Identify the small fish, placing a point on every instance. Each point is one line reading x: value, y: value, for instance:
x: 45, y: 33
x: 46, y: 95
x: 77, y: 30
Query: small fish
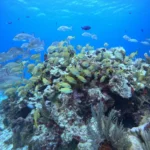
x: 14, y: 52
x: 36, y: 44
x: 142, y: 30
x: 64, y: 28
x: 27, y: 16
x: 23, y: 37
x: 70, y: 38
x: 106, y: 44
x: 94, y: 36
x: 133, y: 54
x: 18, y: 19
x: 133, y: 40
x: 36, y: 116
x: 87, y: 34
x: 86, y: 28
x: 145, y: 43
x: 126, y: 37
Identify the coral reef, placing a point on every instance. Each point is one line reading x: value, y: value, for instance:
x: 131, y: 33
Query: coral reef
x: 52, y: 109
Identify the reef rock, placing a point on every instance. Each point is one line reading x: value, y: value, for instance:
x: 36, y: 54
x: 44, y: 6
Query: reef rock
x: 119, y: 85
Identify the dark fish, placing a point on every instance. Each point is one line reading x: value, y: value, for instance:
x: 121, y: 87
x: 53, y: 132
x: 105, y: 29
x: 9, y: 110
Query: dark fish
x: 9, y: 22
x: 18, y: 19
x: 86, y: 28
x: 27, y: 16
x: 142, y: 30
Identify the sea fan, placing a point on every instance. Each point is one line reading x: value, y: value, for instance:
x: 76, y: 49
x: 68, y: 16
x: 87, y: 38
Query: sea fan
x: 107, y: 131
x: 144, y: 137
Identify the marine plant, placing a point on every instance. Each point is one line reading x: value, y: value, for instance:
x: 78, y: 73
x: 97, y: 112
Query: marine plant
x: 108, y: 131
x: 144, y: 137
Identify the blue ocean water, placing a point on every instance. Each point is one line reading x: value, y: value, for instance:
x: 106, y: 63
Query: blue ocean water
x: 2, y: 96
x: 110, y: 20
